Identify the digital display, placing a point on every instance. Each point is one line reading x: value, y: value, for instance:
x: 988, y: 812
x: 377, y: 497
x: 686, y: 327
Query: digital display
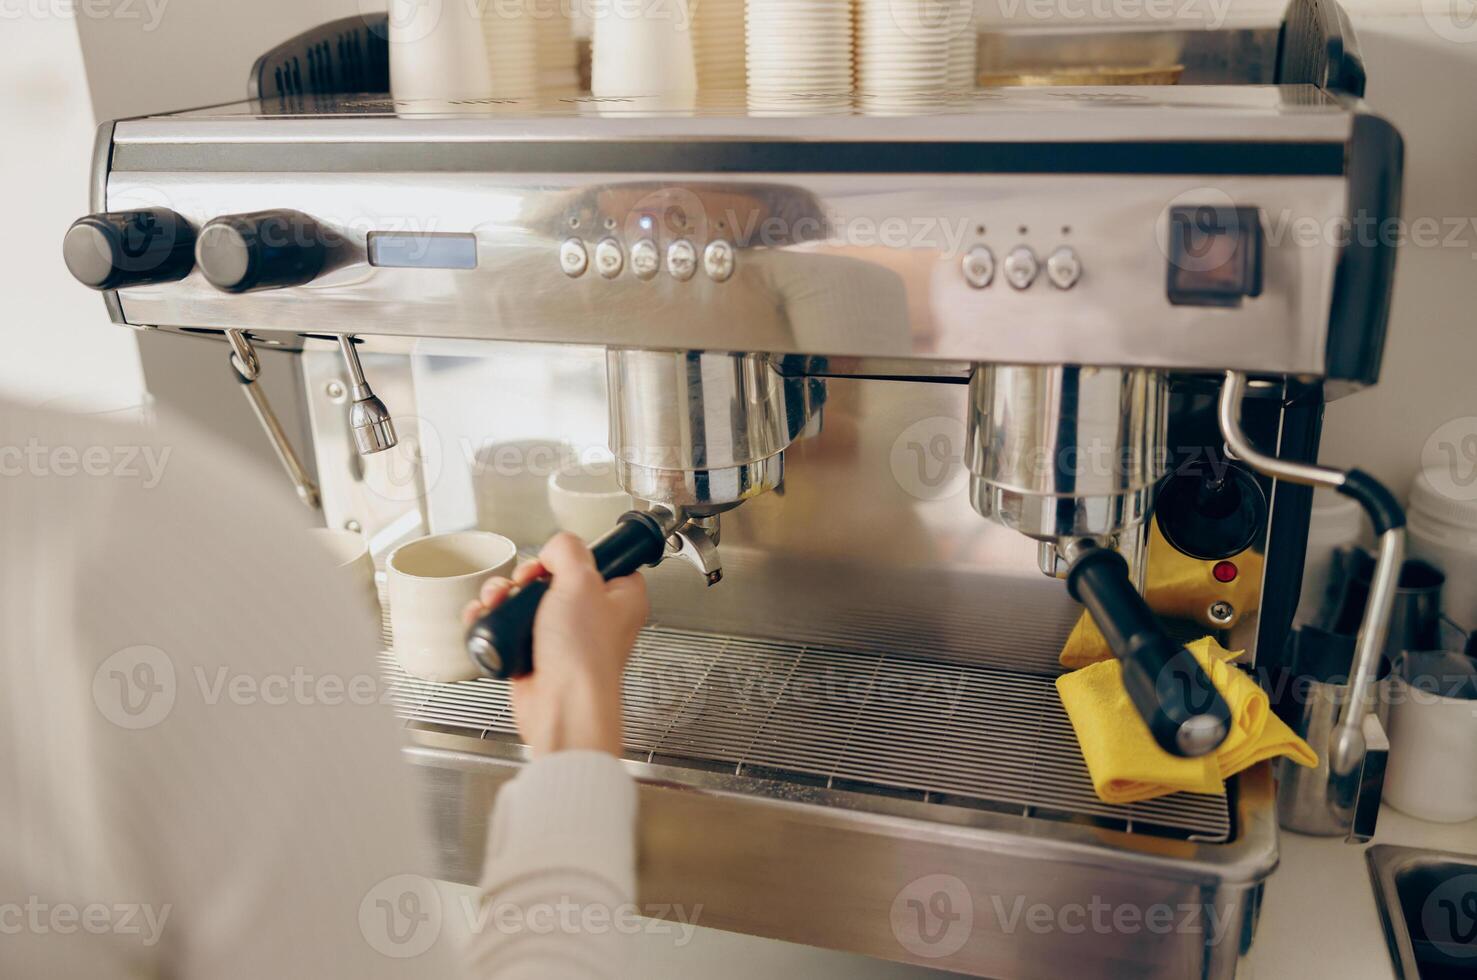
x: 394, y: 250
x: 1215, y: 255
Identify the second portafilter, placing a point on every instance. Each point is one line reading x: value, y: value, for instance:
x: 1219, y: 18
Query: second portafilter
x: 1070, y: 456
x: 694, y: 434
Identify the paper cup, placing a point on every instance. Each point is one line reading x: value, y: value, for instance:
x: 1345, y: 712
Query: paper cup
x: 1432, y: 770
x: 437, y: 51
x: 799, y: 46
x: 431, y: 580
x: 644, y: 50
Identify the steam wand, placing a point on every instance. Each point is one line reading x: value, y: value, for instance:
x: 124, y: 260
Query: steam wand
x: 1347, y: 746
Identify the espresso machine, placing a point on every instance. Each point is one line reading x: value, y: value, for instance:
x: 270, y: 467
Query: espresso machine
x: 919, y: 388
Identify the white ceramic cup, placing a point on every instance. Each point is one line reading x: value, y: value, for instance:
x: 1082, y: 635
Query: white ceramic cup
x: 350, y: 554
x: 1432, y: 770
x: 586, y: 500
x: 510, y: 488
x: 431, y: 580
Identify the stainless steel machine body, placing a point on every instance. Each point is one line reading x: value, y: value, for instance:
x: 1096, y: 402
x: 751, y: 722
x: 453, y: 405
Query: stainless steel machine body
x: 862, y: 715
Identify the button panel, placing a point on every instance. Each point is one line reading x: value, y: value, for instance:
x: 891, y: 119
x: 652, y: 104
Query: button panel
x: 1021, y: 267
x: 718, y: 259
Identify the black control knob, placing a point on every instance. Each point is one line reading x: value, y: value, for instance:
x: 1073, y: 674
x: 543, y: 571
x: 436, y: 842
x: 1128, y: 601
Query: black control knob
x: 129, y: 248
x: 264, y: 250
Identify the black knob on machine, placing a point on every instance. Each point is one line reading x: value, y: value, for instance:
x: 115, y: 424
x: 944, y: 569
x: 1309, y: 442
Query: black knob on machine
x: 129, y: 248
x: 1211, y: 515
x: 238, y: 253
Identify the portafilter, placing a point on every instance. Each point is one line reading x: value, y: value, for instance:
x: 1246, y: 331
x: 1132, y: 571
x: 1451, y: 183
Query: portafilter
x: 694, y: 434
x: 1070, y: 456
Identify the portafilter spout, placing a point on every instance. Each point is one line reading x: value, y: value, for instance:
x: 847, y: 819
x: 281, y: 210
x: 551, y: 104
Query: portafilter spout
x: 1070, y: 456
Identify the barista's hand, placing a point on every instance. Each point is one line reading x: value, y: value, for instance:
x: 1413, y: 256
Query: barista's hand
x: 582, y: 638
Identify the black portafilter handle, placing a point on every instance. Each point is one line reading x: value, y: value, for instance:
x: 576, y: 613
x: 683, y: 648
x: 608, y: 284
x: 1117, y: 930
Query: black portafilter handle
x: 501, y: 642
x: 1185, y: 713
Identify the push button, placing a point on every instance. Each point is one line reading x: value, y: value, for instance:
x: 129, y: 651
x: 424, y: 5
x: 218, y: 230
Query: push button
x: 718, y: 261
x: 681, y: 260
x: 609, y: 259
x: 573, y: 258
x: 1021, y: 267
x: 646, y: 261
x: 1063, y: 268
x: 979, y: 267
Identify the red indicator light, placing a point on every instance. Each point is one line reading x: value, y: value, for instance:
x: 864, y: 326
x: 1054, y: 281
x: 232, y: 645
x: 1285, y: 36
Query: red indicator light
x: 1225, y: 571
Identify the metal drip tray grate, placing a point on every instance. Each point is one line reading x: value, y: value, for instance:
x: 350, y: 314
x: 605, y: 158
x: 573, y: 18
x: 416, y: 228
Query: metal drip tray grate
x: 963, y: 735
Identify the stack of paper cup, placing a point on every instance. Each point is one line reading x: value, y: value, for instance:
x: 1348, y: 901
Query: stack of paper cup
x: 903, y: 46
x: 963, y: 48
x: 510, y: 37
x: 643, y: 49
x: 718, y: 45
x: 436, y: 51
x: 799, y: 47
x: 557, y: 57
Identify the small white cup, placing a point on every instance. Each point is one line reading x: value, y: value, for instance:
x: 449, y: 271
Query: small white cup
x: 1432, y: 770
x: 510, y: 483
x: 431, y: 580
x: 350, y: 554
x: 586, y: 500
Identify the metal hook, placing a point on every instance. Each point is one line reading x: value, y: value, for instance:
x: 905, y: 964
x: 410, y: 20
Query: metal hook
x: 248, y: 368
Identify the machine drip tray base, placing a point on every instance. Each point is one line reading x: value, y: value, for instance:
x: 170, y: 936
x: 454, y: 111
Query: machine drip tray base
x: 791, y: 715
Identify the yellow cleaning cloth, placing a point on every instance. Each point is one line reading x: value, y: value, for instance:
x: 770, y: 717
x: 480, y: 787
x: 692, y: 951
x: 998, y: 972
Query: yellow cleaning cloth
x: 1127, y: 765
x: 1176, y: 586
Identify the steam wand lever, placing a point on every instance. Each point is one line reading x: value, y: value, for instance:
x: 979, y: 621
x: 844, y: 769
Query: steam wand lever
x: 1347, y: 745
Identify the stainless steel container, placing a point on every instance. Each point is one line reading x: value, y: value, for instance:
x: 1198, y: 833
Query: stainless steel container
x: 1315, y: 801
x: 699, y: 430
x: 1066, y: 452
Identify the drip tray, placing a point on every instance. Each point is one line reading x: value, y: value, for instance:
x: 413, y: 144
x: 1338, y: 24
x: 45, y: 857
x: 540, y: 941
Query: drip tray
x: 935, y: 733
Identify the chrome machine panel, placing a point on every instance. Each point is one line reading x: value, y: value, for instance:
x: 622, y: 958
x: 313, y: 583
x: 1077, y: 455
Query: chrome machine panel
x: 1015, y: 226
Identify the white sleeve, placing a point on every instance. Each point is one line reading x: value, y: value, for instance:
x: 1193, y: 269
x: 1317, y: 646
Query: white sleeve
x: 200, y: 775
x: 559, y: 884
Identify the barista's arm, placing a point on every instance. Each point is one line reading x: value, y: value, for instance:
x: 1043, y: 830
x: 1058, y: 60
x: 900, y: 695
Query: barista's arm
x: 558, y: 888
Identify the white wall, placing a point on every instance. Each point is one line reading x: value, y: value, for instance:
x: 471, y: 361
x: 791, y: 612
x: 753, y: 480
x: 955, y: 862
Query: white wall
x: 58, y: 347
x: 1422, y: 81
